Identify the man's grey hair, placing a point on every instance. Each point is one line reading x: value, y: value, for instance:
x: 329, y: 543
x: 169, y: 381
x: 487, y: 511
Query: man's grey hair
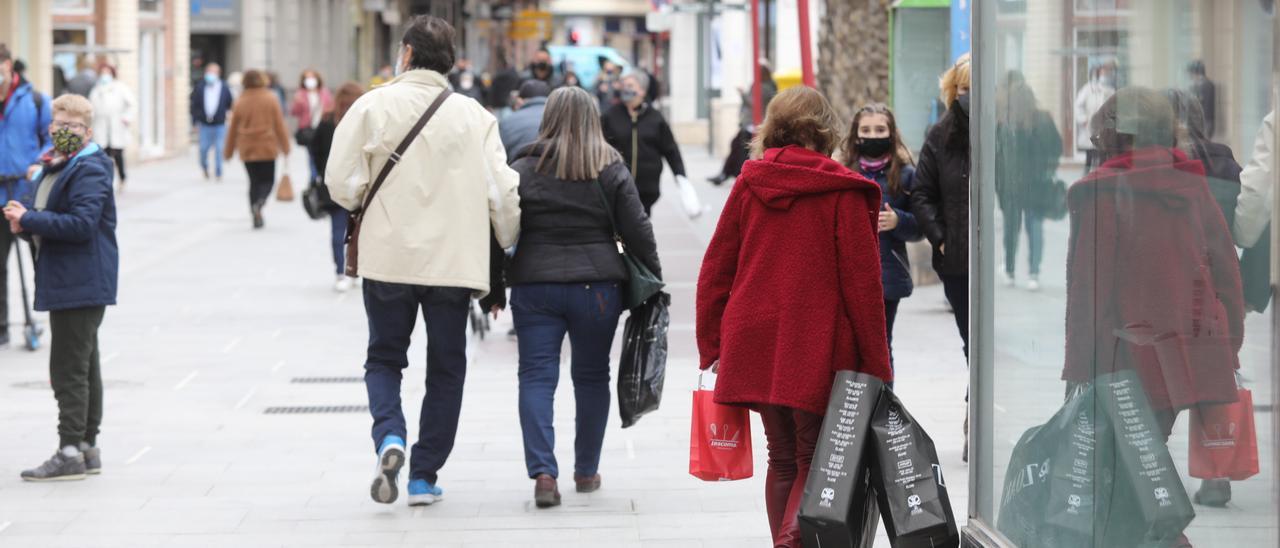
x: 641, y: 78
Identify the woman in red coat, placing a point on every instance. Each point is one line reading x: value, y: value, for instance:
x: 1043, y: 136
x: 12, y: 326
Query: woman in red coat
x: 790, y: 290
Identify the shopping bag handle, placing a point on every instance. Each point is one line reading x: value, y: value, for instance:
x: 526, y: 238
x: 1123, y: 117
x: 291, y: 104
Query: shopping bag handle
x: 701, y: 377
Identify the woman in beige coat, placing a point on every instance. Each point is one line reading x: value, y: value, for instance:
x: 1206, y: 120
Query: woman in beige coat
x: 257, y: 130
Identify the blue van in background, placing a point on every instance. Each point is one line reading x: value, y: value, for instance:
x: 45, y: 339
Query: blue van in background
x: 585, y: 61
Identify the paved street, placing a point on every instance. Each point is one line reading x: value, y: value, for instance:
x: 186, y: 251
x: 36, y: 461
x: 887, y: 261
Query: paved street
x: 218, y: 323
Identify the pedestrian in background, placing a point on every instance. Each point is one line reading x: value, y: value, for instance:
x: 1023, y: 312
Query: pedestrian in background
x: 72, y: 222
x: 1100, y: 87
x: 608, y: 84
x: 520, y: 128
x: 739, y: 147
x: 874, y: 150
x: 464, y: 81
x: 1206, y: 93
x: 310, y: 103
x: 428, y: 245
x: 113, y: 108
x: 798, y: 227
x: 540, y: 68
x: 566, y: 276
x: 1028, y: 148
x: 210, y: 103
x: 641, y: 134
x: 258, y: 132
x: 321, y: 144
x: 85, y: 79
x: 24, y: 133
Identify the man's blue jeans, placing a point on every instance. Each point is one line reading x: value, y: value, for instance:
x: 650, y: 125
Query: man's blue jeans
x: 392, y: 311
x: 544, y: 313
x: 212, y: 136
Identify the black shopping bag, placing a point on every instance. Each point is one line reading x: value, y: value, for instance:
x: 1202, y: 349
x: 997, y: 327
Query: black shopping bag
x: 1149, y: 503
x: 909, y: 484
x: 643, y: 367
x: 839, y: 508
x: 1052, y: 496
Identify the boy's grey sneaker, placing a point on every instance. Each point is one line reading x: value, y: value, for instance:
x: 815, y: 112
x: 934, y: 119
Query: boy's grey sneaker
x: 59, y: 467
x: 92, y: 460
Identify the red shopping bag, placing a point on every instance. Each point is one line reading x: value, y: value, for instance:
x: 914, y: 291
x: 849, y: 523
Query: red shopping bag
x: 1223, y: 441
x: 719, y: 440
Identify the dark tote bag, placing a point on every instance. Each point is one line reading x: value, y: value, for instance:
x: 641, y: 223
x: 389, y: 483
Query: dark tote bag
x: 643, y: 367
x: 839, y: 506
x: 909, y: 485
x: 641, y: 283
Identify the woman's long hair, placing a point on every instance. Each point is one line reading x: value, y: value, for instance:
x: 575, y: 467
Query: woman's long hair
x: 346, y: 96
x: 900, y: 156
x: 570, y: 142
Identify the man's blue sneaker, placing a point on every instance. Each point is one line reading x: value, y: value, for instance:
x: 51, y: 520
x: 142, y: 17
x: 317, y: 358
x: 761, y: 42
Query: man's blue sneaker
x: 422, y: 493
x: 390, y: 460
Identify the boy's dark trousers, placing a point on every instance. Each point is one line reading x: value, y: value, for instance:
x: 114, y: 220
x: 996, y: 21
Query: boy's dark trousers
x: 76, y: 373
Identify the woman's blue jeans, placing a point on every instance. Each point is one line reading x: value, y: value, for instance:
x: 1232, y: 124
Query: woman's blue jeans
x: 544, y: 314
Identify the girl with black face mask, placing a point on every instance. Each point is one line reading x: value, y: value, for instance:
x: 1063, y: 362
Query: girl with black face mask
x: 874, y: 149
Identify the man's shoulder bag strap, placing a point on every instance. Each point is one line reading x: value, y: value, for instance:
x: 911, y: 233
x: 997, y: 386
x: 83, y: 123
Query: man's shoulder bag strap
x: 357, y: 217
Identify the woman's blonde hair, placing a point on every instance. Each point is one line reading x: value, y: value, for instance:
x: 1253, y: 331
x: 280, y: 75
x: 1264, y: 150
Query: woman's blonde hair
x: 570, y: 137
x: 953, y: 79
x: 75, y: 106
x: 798, y: 116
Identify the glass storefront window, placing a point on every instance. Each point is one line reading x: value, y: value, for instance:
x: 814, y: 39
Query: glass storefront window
x: 1126, y: 318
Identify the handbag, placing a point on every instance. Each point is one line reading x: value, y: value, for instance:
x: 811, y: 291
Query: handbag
x: 304, y: 136
x: 719, y: 439
x: 641, y: 282
x: 1224, y: 441
x: 642, y: 368
x: 313, y: 202
x: 357, y: 217
x: 284, y: 192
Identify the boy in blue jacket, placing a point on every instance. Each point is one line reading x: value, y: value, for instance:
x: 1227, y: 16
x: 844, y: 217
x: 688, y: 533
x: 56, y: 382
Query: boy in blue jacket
x: 71, y: 221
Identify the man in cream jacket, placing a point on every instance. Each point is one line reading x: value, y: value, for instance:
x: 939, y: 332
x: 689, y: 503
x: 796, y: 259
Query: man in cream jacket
x: 424, y: 243
x: 1257, y: 183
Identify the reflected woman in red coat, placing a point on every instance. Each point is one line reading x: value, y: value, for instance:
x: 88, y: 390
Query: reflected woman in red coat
x: 790, y: 290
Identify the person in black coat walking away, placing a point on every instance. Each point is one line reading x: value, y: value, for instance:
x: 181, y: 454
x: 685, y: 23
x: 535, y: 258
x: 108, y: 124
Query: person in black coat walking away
x: 1027, y: 150
x: 567, y: 276
x: 345, y: 96
x: 874, y: 149
x: 641, y: 134
x: 940, y: 199
x: 739, y: 147
x: 1206, y: 93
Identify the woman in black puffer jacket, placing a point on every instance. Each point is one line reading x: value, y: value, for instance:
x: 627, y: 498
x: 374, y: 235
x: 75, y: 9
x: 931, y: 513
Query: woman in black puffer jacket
x: 566, y: 277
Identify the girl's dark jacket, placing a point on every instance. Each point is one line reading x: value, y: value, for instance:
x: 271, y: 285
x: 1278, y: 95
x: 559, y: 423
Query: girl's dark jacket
x: 895, y: 267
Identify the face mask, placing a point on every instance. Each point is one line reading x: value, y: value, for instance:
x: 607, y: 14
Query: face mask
x: 105, y: 79
x: 67, y: 141
x: 466, y: 81
x: 1108, y: 80
x: 310, y: 82
x: 399, y: 58
x: 875, y: 147
x: 210, y: 78
x: 963, y: 102
x: 627, y: 95
x: 541, y: 67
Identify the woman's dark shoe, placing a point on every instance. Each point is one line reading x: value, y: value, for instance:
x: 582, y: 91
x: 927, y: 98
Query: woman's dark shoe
x: 1214, y: 493
x: 257, y: 217
x: 587, y: 484
x: 718, y: 180
x: 545, y: 492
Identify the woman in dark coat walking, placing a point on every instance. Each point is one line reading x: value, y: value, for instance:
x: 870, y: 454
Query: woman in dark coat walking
x: 1027, y: 150
x: 940, y: 199
x: 320, y: 145
x: 566, y: 278
x: 874, y: 149
x: 798, y: 227
x: 640, y: 133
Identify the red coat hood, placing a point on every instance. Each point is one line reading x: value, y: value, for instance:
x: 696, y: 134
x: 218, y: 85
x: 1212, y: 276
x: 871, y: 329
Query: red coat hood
x: 789, y: 172
x: 1145, y: 172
